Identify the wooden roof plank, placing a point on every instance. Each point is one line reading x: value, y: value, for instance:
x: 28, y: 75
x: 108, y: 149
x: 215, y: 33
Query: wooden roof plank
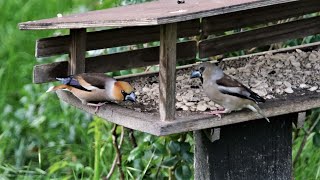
x: 261, y: 15
x: 151, y: 13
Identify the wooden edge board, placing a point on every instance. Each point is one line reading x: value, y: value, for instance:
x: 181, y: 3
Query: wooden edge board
x: 118, y: 61
x: 270, y: 108
x: 261, y: 15
x: 258, y: 37
x: 185, y: 122
x: 113, y: 38
x: 116, y: 114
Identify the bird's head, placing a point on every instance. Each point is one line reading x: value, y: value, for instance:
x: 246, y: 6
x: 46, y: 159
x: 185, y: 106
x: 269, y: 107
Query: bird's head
x: 123, y: 91
x: 203, y: 70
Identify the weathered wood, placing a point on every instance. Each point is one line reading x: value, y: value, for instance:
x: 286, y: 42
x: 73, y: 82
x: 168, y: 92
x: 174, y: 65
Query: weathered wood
x: 261, y: 15
x: 113, y: 38
x: 112, y: 62
x: 114, y: 113
x: 251, y: 150
x: 77, y: 51
x: 150, y: 122
x: 258, y: 37
x: 154, y: 13
x: 304, y: 47
x: 167, y: 72
x: 196, y: 121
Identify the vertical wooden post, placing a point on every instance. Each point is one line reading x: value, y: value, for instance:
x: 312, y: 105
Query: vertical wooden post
x: 77, y: 51
x: 167, y: 74
x: 249, y: 150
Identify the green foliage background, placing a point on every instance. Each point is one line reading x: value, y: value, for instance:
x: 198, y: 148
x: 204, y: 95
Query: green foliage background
x: 41, y: 137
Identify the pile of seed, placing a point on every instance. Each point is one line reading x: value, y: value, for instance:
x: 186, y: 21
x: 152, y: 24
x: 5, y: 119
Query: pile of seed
x: 268, y: 75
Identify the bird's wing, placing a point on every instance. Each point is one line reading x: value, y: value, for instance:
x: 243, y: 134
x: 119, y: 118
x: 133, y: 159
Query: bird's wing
x: 228, y: 85
x: 92, y: 81
x: 71, y: 81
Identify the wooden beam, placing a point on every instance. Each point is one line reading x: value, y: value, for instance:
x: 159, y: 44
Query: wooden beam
x: 113, y: 38
x: 259, y: 37
x: 113, y: 62
x: 250, y: 150
x: 261, y: 15
x: 77, y: 51
x: 167, y: 74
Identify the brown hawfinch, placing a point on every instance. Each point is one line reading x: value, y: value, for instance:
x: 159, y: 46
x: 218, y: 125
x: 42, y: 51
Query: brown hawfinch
x: 94, y: 89
x: 225, y: 91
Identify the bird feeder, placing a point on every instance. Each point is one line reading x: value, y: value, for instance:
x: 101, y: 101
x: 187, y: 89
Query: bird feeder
x: 247, y: 147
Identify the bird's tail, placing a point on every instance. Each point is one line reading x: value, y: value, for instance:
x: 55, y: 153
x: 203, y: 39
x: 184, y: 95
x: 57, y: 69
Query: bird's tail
x: 62, y: 87
x: 255, y: 108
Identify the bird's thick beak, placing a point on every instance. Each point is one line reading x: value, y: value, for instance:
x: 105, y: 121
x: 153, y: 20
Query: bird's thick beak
x: 130, y: 97
x: 196, y: 74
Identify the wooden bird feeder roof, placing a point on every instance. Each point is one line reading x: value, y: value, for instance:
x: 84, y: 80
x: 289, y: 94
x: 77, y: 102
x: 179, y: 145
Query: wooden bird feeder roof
x: 151, y: 13
x: 166, y: 21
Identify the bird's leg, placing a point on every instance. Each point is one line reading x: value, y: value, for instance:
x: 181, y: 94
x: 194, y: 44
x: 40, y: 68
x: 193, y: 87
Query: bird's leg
x: 218, y: 112
x: 96, y: 105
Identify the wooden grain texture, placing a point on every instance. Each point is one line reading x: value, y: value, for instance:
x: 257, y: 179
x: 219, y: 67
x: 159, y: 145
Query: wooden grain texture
x: 113, y: 38
x: 114, y: 113
x: 196, y: 121
x: 154, y: 13
x: 167, y: 72
x: 261, y: 15
x: 77, y: 55
x: 248, y: 151
x: 304, y: 47
x: 259, y: 37
x: 112, y: 62
x: 150, y: 123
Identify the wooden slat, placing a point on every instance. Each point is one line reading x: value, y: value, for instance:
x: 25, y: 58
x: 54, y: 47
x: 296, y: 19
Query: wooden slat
x: 251, y: 17
x: 77, y: 51
x: 113, y: 38
x: 112, y: 62
x: 258, y: 37
x: 304, y: 47
x: 152, y: 13
x: 167, y: 72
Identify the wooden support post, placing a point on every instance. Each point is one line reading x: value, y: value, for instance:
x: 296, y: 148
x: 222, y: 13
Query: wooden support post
x: 77, y: 51
x: 249, y: 150
x: 167, y: 74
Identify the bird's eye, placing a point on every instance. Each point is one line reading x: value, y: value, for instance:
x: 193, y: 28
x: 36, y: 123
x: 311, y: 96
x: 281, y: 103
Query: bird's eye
x: 122, y: 91
x: 202, y: 69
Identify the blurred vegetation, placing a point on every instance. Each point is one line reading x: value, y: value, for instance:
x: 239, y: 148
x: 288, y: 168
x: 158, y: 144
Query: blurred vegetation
x: 41, y: 137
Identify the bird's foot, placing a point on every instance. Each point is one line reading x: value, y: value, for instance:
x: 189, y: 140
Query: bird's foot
x: 96, y: 105
x: 217, y: 112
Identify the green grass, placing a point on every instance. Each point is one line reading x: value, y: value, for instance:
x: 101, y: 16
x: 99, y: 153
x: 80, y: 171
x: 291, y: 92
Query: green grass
x: 42, y: 138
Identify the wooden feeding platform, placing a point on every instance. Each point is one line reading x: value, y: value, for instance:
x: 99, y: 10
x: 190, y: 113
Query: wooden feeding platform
x: 186, y: 31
